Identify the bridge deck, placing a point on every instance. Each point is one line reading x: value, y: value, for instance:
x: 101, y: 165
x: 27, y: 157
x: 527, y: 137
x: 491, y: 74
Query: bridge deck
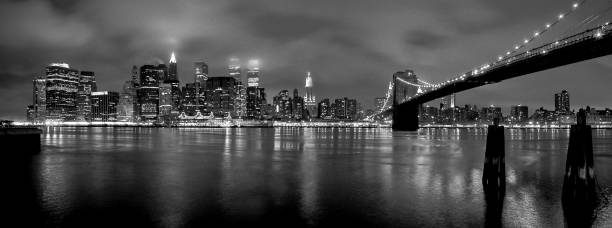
x: 592, y: 43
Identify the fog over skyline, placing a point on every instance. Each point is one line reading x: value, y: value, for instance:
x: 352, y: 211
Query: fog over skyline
x: 351, y: 47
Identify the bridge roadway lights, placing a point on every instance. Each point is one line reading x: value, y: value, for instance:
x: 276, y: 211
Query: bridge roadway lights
x: 405, y: 118
x: 579, y: 185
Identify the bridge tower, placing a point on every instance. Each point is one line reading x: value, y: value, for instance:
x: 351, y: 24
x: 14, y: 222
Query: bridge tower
x: 405, y: 117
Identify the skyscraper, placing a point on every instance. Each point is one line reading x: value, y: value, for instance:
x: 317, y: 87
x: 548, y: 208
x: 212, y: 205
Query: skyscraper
x: 173, y: 81
x: 324, y: 109
x: 148, y: 92
x: 562, y: 102
x: 240, y: 102
x: 87, y: 85
x: 220, y: 95
x: 297, y: 105
x: 253, y: 73
x: 201, y: 75
x: 61, y: 92
x: 282, y: 105
x: 447, y: 102
x: 310, y: 101
x: 125, y: 108
x: 519, y: 113
x: 104, y: 106
x: 39, y: 99
x: 255, y: 96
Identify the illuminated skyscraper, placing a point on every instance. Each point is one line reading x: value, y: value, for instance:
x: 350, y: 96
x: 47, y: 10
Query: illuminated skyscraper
x: 253, y: 73
x: 39, y: 99
x: 519, y: 113
x: 235, y: 72
x: 61, y: 92
x: 562, y: 102
x: 172, y: 69
x: 310, y: 101
x: 447, y: 102
x: 87, y: 85
x: 220, y: 95
x: 297, y: 105
x: 201, y: 75
x: 104, y: 106
x: 148, y: 92
x: 255, y: 96
x: 126, y: 108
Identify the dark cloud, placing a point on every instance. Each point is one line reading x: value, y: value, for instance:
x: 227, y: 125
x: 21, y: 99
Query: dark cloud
x: 425, y: 39
x: 352, y: 47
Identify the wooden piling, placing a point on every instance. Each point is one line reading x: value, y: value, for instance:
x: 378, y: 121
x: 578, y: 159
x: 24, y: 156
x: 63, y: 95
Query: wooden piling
x: 494, y: 172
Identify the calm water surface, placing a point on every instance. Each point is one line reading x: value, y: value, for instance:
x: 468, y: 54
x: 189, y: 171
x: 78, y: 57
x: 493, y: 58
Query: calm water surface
x: 301, y: 177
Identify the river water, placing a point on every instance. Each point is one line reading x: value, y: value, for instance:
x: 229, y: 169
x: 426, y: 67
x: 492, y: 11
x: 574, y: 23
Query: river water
x: 168, y: 177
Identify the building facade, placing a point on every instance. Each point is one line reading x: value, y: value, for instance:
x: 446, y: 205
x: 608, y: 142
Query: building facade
x: 104, y: 106
x: 61, y: 92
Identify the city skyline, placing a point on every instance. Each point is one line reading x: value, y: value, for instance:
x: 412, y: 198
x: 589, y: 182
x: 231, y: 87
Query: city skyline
x: 342, y: 62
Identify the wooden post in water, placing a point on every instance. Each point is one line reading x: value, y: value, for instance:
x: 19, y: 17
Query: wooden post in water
x: 494, y: 172
x: 494, y: 175
x: 579, y: 186
x: 579, y: 179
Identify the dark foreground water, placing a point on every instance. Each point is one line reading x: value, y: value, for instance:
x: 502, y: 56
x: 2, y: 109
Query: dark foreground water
x: 300, y: 177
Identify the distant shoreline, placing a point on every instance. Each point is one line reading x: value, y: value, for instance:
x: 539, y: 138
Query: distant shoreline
x: 278, y: 124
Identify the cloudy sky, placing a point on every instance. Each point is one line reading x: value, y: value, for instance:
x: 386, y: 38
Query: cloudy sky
x: 352, y: 47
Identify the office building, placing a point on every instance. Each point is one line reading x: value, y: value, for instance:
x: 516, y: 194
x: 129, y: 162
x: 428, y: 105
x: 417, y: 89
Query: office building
x: 61, y: 92
x: 87, y: 85
x: 519, y: 113
x: 148, y: 92
x: 310, y: 101
x: 104, y: 106
x: 562, y: 102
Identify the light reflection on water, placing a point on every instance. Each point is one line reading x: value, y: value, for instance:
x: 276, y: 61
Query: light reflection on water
x: 294, y: 176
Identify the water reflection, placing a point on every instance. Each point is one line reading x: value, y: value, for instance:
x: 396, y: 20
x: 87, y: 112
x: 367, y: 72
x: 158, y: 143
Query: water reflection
x: 302, y: 177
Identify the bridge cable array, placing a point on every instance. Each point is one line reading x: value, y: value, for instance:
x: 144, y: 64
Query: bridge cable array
x: 538, y: 33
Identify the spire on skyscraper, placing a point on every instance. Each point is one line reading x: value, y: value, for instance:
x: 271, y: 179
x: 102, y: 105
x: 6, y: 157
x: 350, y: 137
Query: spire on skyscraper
x: 172, y: 58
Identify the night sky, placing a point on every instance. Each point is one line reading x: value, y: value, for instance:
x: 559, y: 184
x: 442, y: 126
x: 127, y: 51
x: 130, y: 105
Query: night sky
x: 351, y: 47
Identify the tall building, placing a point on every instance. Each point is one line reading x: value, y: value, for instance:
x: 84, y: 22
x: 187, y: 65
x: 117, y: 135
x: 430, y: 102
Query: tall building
x: 255, y: 96
x: 310, y: 101
x: 253, y: 73
x: 173, y: 81
x: 339, y: 108
x: 165, y: 100
x: 447, y: 102
x: 126, y: 108
x: 325, y: 111
x: 562, y: 102
x: 87, y: 85
x: 201, y: 75
x: 282, y: 105
x: 135, y: 77
x: 189, y: 100
x: 104, y: 106
x: 352, y: 109
x: 234, y: 71
x: 148, y: 92
x: 220, y: 95
x: 490, y: 113
x: 297, y: 106
x: 519, y: 113
x: 61, y: 92
x: 39, y: 100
